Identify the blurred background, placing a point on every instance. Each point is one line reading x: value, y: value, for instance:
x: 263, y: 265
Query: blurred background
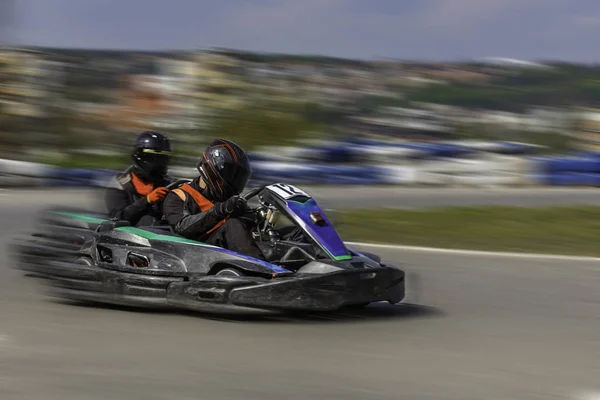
x: 384, y: 110
x: 76, y: 87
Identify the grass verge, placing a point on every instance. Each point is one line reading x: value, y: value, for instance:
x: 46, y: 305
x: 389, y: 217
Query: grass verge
x: 554, y: 230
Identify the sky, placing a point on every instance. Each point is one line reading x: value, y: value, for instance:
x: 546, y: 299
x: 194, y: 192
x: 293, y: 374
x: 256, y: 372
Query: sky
x: 451, y: 30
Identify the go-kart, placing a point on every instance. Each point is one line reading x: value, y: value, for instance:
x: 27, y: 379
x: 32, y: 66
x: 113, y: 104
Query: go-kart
x: 86, y: 256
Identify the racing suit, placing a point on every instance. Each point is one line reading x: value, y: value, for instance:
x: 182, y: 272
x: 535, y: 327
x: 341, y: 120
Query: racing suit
x: 191, y: 214
x: 129, y: 198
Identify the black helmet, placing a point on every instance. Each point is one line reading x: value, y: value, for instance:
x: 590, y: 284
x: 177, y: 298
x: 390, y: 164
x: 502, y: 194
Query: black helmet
x: 225, y: 168
x: 151, y: 155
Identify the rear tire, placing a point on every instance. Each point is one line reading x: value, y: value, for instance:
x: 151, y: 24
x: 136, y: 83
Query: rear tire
x: 229, y: 272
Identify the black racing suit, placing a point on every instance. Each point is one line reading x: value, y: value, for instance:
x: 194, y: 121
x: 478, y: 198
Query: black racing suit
x: 125, y: 203
x: 188, y: 220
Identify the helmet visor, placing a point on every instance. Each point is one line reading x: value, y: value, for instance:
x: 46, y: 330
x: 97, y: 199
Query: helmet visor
x: 156, y: 163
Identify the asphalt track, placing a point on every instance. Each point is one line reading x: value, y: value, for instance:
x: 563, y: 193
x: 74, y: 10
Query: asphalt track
x: 473, y: 327
x: 361, y: 197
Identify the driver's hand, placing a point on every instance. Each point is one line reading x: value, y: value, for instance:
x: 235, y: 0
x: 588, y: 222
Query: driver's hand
x: 240, y: 208
x: 157, y: 195
x: 230, y: 207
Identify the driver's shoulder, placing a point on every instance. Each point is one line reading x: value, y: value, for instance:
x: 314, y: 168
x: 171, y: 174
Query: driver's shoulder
x: 176, y: 195
x: 175, y: 202
x: 118, y: 182
x: 121, y: 180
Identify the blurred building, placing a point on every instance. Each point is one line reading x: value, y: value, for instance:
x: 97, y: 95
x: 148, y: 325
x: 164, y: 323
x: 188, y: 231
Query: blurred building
x: 174, y: 84
x: 79, y: 96
x: 402, y: 124
x: 586, y: 135
x: 33, y: 82
x: 30, y: 91
x: 141, y: 104
x: 220, y: 83
x: 147, y: 92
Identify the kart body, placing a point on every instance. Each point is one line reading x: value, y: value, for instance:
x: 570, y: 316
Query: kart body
x: 86, y: 256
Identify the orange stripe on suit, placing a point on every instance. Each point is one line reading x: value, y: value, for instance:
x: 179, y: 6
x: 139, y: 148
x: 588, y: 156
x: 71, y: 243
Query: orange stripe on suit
x: 200, y: 200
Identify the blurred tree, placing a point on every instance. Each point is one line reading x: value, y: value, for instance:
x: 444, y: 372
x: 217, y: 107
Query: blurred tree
x: 282, y: 122
x: 10, y: 127
x: 566, y: 85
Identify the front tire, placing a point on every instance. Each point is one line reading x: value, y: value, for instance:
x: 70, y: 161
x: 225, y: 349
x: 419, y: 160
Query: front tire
x: 84, y: 261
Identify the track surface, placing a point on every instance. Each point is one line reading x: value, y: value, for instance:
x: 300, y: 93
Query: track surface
x: 486, y: 328
x: 359, y: 197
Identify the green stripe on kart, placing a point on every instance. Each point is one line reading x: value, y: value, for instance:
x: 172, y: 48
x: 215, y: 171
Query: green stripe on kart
x: 165, y: 238
x: 81, y: 217
x: 155, y: 236
x: 136, y: 231
x: 175, y: 239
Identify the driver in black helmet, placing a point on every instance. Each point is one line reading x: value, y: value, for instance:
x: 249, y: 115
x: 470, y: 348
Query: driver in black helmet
x: 133, y: 194
x: 208, y: 207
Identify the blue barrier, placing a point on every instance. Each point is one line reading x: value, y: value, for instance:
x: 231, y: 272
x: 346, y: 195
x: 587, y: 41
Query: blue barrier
x: 567, y: 179
x: 514, y: 148
x: 585, y: 154
x: 342, y: 163
x: 338, y: 153
x: 444, y: 149
x: 77, y: 177
x: 318, y: 173
x: 417, y: 150
x: 554, y: 165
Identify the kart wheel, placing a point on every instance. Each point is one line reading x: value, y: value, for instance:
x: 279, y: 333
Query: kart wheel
x: 84, y: 261
x: 230, y: 272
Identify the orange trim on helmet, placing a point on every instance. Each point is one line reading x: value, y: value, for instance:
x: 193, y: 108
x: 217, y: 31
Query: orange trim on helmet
x: 219, y: 184
x: 233, y: 153
x: 228, y: 147
x: 216, y: 186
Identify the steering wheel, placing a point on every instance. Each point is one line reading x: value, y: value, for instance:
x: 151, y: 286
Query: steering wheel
x: 252, y: 193
x: 177, y: 183
x: 251, y: 212
x: 255, y: 215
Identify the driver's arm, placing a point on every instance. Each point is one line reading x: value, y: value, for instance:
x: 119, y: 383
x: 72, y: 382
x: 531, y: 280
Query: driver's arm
x: 191, y: 226
x: 117, y: 203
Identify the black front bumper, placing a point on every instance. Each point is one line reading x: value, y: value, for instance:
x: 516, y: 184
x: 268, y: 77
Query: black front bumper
x: 309, y: 292
x: 301, y: 292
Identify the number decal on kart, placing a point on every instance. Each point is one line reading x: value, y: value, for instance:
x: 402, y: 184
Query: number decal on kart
x: 287, y: 192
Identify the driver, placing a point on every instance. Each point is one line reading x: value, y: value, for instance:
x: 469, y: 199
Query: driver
x: 133, y: 194
x: 207, y: 209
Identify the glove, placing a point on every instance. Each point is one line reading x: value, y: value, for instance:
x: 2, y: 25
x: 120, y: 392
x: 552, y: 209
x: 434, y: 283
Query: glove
x: 234, y: 206
x: 240, y: 207
x: 157, y: 195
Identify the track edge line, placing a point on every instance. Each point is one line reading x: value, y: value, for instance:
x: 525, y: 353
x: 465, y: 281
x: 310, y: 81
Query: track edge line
x: 466, y: 252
